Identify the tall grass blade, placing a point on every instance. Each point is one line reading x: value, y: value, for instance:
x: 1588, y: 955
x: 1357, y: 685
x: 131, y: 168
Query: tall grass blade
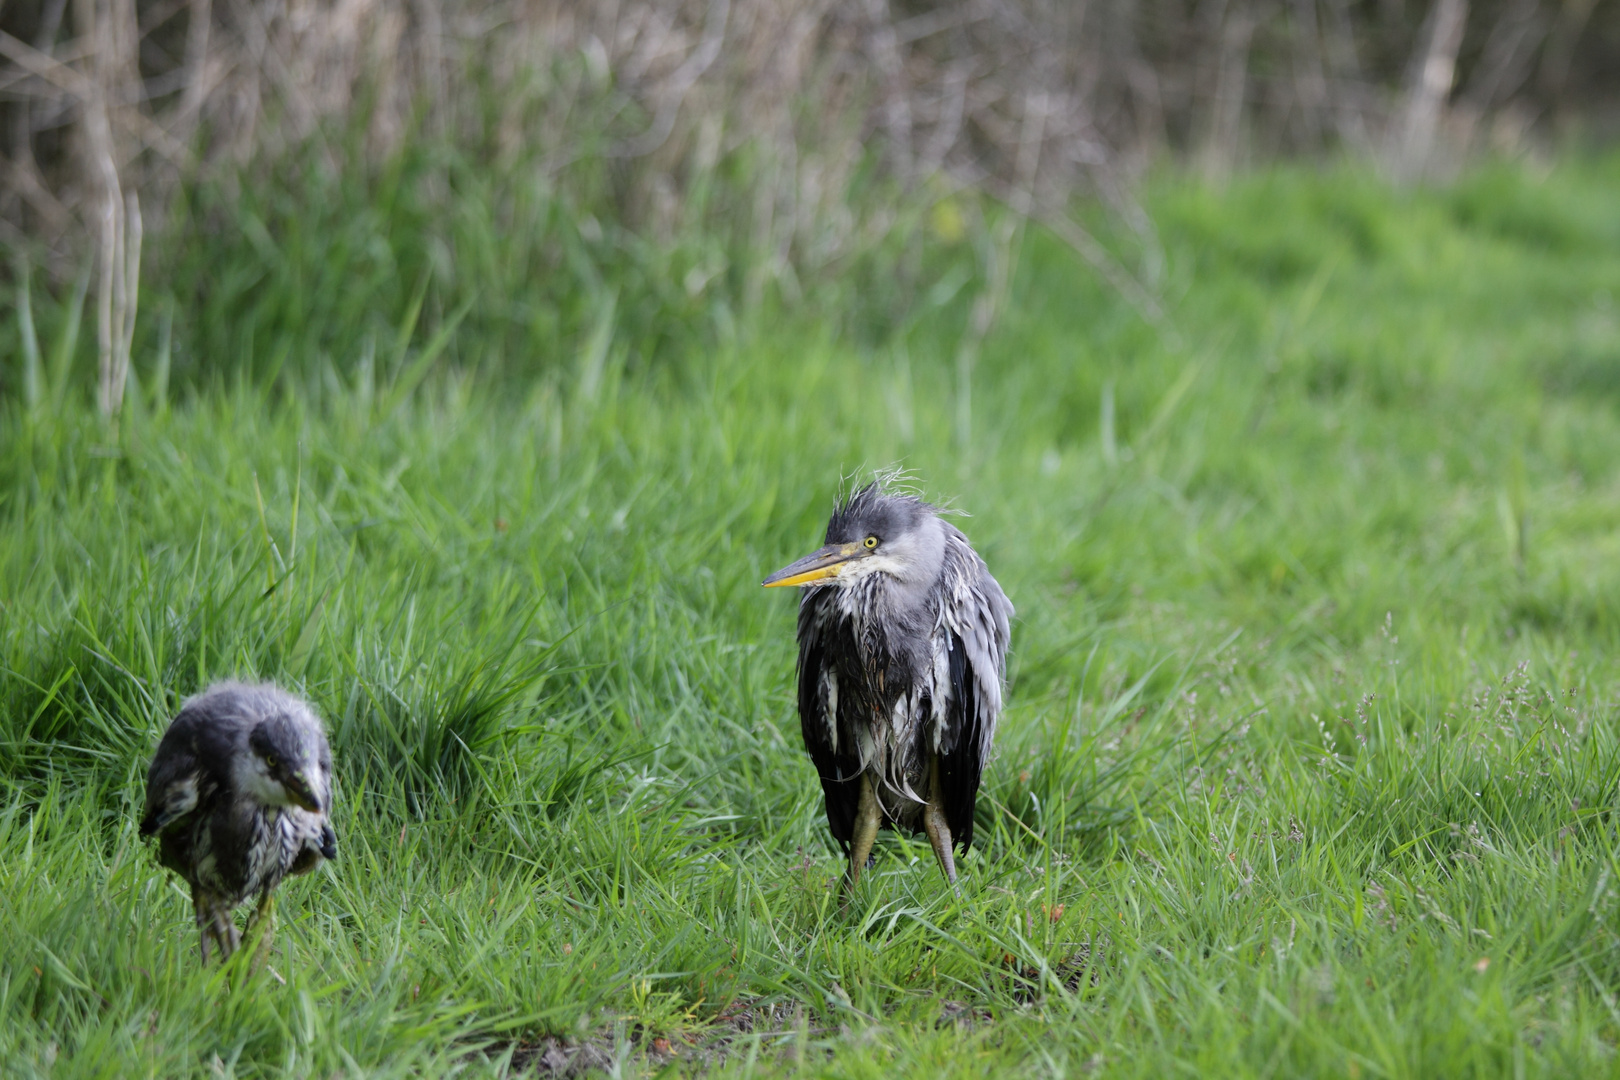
x: 67, y: 341
x: 412, y: 376
x: 33, y: 380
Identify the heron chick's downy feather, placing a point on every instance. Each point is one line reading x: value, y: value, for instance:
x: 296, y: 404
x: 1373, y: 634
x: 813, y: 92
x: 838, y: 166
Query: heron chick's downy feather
x: 239, y: 796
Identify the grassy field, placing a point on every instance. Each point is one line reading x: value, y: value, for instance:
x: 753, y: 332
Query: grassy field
x: 1311, y: 747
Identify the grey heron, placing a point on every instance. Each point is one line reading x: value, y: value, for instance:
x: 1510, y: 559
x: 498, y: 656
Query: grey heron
x: 239, y: 795
x: 902, y: 661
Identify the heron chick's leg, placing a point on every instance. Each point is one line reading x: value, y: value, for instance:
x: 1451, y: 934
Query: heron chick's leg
x: 867, y: 819
x: 939, y: 832
x: 225, y: 931
x: 205, y: 921
x: 213, y: 924
x: 263, y: 926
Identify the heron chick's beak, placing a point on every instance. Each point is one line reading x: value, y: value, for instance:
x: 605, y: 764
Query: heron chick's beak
x: 298, y: 786
x: 820, y: 565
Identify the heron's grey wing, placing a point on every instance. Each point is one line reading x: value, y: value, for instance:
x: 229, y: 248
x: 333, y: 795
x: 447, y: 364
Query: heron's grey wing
x: 977, y: 627
x: 837, y: 761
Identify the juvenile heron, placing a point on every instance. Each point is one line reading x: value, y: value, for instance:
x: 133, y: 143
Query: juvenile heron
x: 239, y: 796
x: 902, y: 656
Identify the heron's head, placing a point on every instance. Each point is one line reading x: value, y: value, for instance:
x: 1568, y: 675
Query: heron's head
x: 873, y: 532
x: 291, y: 764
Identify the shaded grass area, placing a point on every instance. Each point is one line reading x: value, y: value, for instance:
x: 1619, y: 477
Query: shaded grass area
x: 1310, y: 749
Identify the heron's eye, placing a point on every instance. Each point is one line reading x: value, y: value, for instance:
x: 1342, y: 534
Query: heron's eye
x: 270, y: 761
x: 871, y: 542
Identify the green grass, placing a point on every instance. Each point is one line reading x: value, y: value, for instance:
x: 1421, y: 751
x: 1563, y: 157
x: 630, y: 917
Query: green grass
x: 1310, y: 746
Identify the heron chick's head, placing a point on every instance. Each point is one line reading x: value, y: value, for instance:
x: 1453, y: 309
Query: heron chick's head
x: 291, y: 764
x: 872, y: 532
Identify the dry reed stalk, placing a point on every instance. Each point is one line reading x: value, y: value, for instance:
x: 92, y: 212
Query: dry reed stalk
x: 112, y: 87
x: 1225, y: 124
x: 1433, y: 72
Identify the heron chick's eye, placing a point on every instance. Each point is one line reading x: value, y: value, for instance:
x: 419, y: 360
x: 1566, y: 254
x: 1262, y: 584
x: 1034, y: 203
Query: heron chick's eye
x: 270, y: 761
x: 871, y: 542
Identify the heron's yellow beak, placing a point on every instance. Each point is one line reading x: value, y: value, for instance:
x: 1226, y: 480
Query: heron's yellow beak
x: 817, y: 566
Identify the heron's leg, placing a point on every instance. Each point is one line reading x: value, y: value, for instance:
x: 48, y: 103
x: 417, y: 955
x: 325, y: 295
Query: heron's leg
x: 205, y: 921
x: 867, y: 819
x: 939, y: 832
x: 263, y: 926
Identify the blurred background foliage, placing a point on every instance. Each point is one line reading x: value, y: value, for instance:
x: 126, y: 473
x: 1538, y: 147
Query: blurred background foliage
x: 296, y: 177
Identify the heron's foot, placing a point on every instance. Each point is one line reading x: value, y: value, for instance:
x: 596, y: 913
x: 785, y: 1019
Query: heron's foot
x: 221, y: 932
x: 205, y: 926
x: 214, y: 927
x: 850, y: 879
x: 261, y: 929
x: 226, y: 936
x: 939, y: 837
